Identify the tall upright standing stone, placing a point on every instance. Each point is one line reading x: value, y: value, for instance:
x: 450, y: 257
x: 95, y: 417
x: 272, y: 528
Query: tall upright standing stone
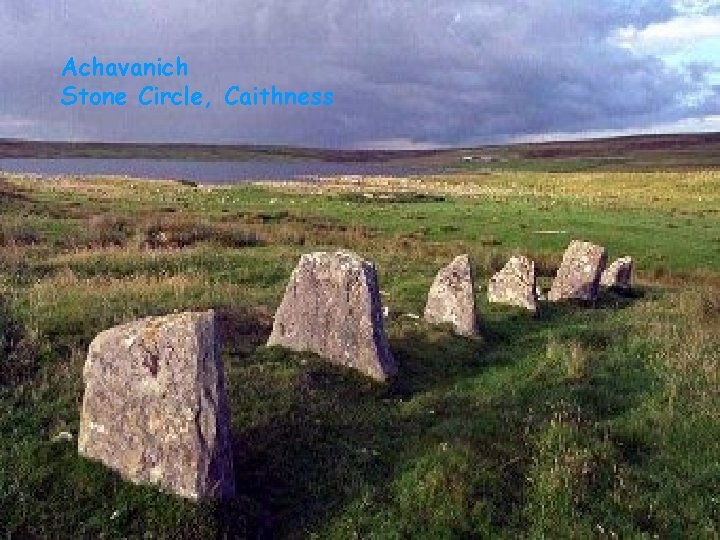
x: 452, y: 298
x: 515, y: 284
x: 332, y: 307
x: 578, y: 277
x: 619, y: 274
x: 155, y: 408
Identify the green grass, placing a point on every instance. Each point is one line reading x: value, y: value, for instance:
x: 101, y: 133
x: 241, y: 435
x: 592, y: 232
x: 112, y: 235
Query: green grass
x: 582, y: 421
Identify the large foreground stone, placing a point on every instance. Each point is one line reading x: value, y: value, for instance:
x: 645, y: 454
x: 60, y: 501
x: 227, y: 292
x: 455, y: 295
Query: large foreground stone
x: 619, y: 274
x: 452, y: 298
x: 332, y: 307
x: 155, y: 408
x: 515, y: 284
x: 578, y: 277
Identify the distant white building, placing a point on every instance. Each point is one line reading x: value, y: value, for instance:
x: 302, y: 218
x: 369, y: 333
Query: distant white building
x: 483, y: 158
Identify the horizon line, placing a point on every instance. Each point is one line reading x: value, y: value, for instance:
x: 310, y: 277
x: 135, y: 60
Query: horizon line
x: 429, y: 148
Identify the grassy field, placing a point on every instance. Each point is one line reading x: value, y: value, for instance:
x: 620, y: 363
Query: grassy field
x: 584, y: 421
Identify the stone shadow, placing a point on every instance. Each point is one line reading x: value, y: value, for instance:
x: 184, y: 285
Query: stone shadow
x: 311, y: 437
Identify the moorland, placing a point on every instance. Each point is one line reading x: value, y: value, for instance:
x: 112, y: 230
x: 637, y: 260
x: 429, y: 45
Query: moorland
x: 585, y: 420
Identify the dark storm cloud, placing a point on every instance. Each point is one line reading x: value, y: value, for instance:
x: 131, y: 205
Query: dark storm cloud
x: 448, y: 72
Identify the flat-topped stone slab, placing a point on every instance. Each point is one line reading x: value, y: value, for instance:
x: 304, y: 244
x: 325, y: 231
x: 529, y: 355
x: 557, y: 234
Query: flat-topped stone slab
x: 154, y: 407
x: 578, y: 277
x: 332, y: 308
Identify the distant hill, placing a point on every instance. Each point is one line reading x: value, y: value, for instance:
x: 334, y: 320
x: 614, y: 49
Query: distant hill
x: 639, y: 152
x: 10, y: 148
x: 623, y: 146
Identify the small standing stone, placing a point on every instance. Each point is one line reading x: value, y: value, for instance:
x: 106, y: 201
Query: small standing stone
x: 578, y: 277
x: 452, y: 298
x: 515, y: 284
x: 154, y: 407
x: 619, y: 274
x: 332, y: 307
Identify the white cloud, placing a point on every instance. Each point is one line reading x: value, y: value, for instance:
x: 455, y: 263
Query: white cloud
x: 672, y: 33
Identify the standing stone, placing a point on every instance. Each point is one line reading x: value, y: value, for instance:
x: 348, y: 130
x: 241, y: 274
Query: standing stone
x: 332, y: 307
x: 579, y: 274
x: 155, y: 408
x: 619, y: 274
x: 452, y: 298
x: 515, y: 284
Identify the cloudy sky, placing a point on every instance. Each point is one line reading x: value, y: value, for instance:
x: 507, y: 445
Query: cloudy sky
x: 405, y: 73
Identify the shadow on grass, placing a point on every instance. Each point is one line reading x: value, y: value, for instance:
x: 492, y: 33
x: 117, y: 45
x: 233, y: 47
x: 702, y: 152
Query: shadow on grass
x: 316, y: 445
x: 18, y: 351
x: 312, y: 439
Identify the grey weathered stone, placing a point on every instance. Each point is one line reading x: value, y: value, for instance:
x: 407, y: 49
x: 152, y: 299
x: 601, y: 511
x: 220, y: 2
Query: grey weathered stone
x: 619, y: 274
x: 155, y: 408
x: 515, y: 284
x: 578, y: 277
x: 452, y: 297
x: 332, y: 307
